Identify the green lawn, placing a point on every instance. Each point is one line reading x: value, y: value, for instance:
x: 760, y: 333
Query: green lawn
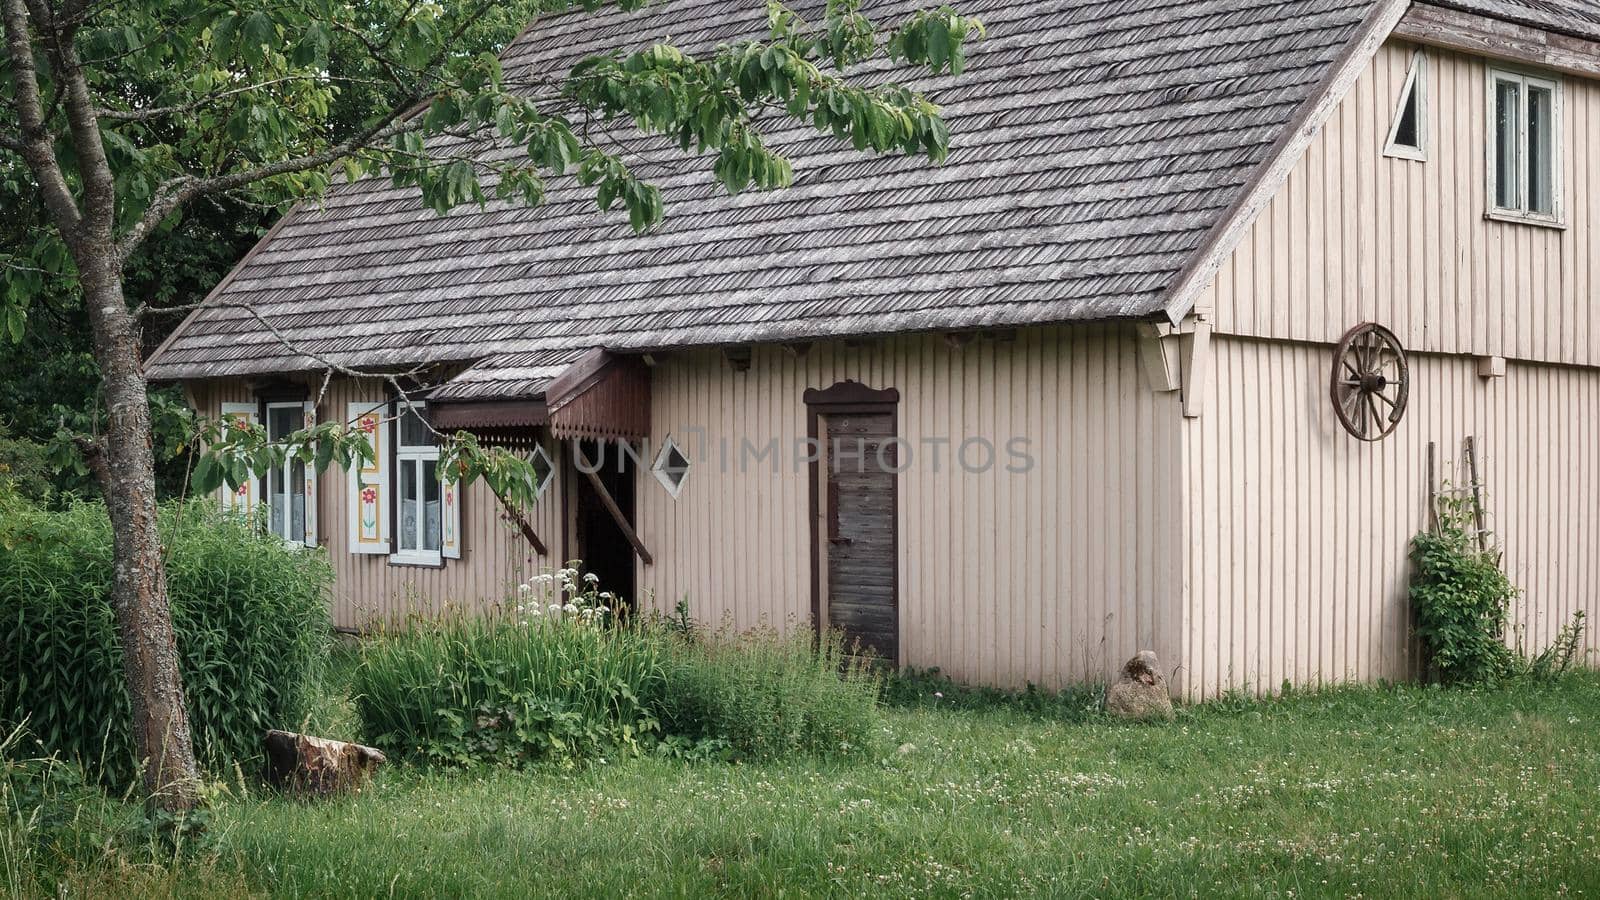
x: 1394, y: 793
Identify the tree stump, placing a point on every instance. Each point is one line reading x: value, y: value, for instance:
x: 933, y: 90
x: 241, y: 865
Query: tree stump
x: 318, y: 767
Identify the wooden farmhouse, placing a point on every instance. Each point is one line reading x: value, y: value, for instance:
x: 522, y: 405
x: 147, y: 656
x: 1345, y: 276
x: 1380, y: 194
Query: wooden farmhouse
x: 1098, y: 384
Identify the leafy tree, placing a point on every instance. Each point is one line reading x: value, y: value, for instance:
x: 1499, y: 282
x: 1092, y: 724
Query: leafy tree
x: 124, y: 116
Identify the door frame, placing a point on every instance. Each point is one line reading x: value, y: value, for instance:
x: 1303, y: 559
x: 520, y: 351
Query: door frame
x: 845, y: 397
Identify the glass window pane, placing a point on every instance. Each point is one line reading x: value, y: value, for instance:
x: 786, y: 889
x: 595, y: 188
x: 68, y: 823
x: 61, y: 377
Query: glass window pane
x: 413, y: 432
x: 1508, y: 145
x: 277, y: 500
x: 297, y: 507
x: 282, y: 421
x: 431, y: 521
x: 1541, y: 151
x: 408, y: 505
x: 1409, y: 133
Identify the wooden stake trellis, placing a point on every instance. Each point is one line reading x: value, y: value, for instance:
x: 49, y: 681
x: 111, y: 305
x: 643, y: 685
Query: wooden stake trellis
x: 1473, y: 490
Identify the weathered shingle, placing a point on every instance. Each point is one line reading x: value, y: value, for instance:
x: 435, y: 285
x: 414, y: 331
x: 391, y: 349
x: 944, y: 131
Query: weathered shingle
x: 1096, y: 143
x: 1575, y: 17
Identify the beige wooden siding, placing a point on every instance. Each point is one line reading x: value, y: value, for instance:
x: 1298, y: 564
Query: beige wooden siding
x: 1355, y: 236
x: 1298, y: 567
x: 1051, y: 576
x: 495, y: 557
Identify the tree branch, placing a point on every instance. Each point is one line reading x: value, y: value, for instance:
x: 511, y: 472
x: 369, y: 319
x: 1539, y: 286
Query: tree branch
x: 36, y: 145
x: 157, y: 112
x: 178, y: 191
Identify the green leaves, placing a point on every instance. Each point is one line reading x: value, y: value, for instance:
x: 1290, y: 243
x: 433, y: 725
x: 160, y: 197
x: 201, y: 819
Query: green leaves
x: 936, y: 39
x: 233, y: 451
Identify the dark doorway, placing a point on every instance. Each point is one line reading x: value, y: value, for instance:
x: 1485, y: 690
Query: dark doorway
x: 602, y: 545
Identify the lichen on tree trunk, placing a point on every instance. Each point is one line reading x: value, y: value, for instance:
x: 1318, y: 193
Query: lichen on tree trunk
x: 125, y: 466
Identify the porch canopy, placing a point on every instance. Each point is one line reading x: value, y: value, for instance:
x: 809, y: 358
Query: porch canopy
x: 597, y: 394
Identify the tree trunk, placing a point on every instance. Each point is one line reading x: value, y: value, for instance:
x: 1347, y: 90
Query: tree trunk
x: 125, y: 468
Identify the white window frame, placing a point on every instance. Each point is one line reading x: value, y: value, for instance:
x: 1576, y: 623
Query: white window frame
x: 298, y: 408
x: 406, y: 456
x: 1416, y: 79
x: 659, y: 470
x: 1522, y: 214
x: 550, y: 471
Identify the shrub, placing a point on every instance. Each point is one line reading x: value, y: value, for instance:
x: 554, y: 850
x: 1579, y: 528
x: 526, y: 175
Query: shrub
x: 1461, y: 599
x: 532, y: 683
x: 763, y: 695
x: 250, y: 615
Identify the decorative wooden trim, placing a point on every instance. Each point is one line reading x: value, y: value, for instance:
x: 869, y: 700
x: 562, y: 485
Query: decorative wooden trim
x: 488, y: 414
x: 1159, y: 352
x: 851, y: 394
x: 845, y: 397
x: 1480, y: 35
x: 604, y: 396
x: 1196, y: 353
x: 738, y: 358
x: 1273, y: 173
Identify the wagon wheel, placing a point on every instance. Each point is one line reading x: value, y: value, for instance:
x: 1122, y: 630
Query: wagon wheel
x: 1371, y: 382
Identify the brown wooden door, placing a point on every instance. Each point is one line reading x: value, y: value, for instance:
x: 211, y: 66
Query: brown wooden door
x: 861, y: 532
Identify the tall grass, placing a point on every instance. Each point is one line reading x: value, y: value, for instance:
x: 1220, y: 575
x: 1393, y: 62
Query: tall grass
x: 502, y: 689
x: 766, y: 695
x: 251, y: 618
x: 505, y: 689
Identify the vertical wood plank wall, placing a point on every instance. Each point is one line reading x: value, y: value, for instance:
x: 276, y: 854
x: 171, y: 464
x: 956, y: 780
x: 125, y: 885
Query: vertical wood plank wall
x: 1355, y: 236
x: 1298, y: 565
x: 495, y: 557
x: 1051, y: 576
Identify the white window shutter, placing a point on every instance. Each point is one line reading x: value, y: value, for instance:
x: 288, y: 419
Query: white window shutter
x: 450, y: 518
x: 311, y: 482
x: 245, y: 497
x: 370, y: 493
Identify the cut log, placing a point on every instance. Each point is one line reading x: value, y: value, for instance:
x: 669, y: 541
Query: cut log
x: 318, y: 767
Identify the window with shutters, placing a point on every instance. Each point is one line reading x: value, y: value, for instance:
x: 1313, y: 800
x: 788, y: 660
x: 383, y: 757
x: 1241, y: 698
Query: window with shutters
x: 419, y: 504
x: 1524, y: 148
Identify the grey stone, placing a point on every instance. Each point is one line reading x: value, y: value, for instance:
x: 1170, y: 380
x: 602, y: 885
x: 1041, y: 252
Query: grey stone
x: 1140, y: 693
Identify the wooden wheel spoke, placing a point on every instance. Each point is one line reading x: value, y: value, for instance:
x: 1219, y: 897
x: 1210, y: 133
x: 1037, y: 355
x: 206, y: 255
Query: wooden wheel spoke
x: 1377, y: 418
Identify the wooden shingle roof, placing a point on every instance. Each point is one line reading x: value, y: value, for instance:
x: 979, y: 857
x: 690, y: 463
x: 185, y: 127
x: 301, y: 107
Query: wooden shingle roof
x: 1096, y: 144
x: 1576, y: 17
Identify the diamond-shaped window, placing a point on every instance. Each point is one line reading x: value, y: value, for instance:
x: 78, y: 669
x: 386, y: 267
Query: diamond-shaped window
x: 671, y: 468
x: 544, y: 471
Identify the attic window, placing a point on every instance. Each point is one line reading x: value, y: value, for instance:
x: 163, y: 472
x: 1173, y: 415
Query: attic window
x: 671, y: 468
x: 1407, y: 136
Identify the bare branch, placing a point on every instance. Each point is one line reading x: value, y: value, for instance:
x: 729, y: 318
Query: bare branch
x: 14, y: 144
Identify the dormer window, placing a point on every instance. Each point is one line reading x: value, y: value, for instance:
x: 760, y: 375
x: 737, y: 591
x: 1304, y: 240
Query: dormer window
x: 1408, y: 134
x: 1524, y: 148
